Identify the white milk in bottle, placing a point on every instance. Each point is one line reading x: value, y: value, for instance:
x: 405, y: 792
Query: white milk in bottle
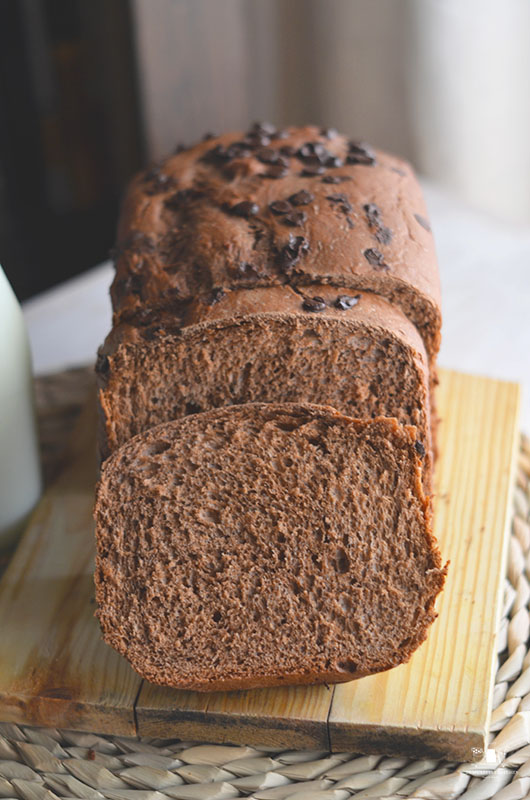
x: 20, y: 477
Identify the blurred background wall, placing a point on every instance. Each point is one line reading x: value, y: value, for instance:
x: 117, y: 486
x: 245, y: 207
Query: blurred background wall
x: 92, y: 89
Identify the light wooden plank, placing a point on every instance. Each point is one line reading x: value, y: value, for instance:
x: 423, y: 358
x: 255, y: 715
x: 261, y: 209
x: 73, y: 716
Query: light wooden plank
x: 291, y: 717
x: 54, y: 668
x: 440, y: 702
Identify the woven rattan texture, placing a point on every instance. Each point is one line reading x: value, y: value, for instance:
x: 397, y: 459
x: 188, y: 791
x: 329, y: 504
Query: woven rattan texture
x: 38, y: 764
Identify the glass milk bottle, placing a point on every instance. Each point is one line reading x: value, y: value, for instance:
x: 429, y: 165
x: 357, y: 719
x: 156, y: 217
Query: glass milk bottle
x: 20, y: 478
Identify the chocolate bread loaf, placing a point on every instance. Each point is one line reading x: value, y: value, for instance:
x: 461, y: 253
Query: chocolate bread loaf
x: 353, y: 351
x: 267, y: 415
x: 265, y: 544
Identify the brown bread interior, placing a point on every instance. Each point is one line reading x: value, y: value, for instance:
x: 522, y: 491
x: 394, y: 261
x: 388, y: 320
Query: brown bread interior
x: 263, y: 544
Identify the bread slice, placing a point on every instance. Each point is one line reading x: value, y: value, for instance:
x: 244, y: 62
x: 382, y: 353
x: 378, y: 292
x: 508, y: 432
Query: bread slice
x: 266, y: 207
x: 353, y: 351
x: 265, y: 544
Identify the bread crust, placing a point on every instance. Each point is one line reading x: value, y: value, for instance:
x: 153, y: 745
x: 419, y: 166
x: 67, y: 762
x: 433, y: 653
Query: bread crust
x: 180, y: 233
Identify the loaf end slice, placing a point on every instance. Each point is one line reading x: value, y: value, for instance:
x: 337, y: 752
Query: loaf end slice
x: 262, y: 545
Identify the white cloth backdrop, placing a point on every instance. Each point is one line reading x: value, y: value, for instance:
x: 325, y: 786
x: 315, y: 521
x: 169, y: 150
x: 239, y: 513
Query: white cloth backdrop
x: 446, y: 83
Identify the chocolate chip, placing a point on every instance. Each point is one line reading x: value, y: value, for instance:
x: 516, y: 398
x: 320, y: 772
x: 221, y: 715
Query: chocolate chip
x: 350, y: 223
x: 301, y: 198
x: 341, y: 201
x: 102, y: 364
x: 419, y: 448
x: 215, y: 296
x: 181, y: 197
x: 238, y: 150
x: 329, y: 133
x: 262, y: 129
x: 335, y: 178
x: 192, y: 408
x: 373, y: 217
x: 334, y: 162
x: 360, y: 153
x: 288, y: 150
x: 383, y: 235
x: 291, y: 253
x: 280, y: 207
x: 373, y: 214
x: 423, y: 222
x: 245, y: 209
x: 281, y: 134
x: 311, y: 170
x: 295, y: 218
x: 209, y: 135
x: 179, y: 148
x: 275, y: 171
x: 314, y: 304
x: 375, y: 258
x: 267, y: 155
x: 217, y: 154
x: 346, y: 301
x: 247, y: 270
x: 313, y: 161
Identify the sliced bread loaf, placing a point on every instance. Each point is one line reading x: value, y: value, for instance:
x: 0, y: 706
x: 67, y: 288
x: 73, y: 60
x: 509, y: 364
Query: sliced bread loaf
x: 267, y: 207
x: 353, y: 351
x: 265, y: 544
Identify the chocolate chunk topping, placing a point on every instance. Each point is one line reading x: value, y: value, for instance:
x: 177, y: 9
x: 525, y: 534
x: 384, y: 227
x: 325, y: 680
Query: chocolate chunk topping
x: 208, y: 136
x: 423, y: 222
x: 334, y: 161
x: 346, y: 301
x: 295, y: 218
x: 350, y: 223
x: 373, y: 214
x: 215, y: 295
x: 247, y: 270
x: 314, y: 304
x: 262, y: 129
x: 276, y: 171
x: 375, y: 258
x: 217, y: 154
x: 291, y: 253
x: 310, y: 170
x: 301, y: 198
x: 245, y: 209
x: 288, y: 150
x: 280, y: 207
x: 267, y: 155
x: 329, y: 133
x: 335, y: 178
x: 341, y: 201
x: 419, y: 448
x: 360, y: 153
x: 373, y: 217
x: 383, y: 235
x: 102, y: 364
x: 182, y: 197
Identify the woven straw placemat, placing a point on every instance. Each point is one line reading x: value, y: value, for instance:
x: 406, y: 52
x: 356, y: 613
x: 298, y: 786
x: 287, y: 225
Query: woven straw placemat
x: 43, y: 764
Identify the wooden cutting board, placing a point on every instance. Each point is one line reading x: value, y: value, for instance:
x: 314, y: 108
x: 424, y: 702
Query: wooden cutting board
x: 56, y: 671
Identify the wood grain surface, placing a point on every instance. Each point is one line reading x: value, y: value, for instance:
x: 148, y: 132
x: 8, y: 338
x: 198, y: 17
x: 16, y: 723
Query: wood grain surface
x: 55, y: 670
